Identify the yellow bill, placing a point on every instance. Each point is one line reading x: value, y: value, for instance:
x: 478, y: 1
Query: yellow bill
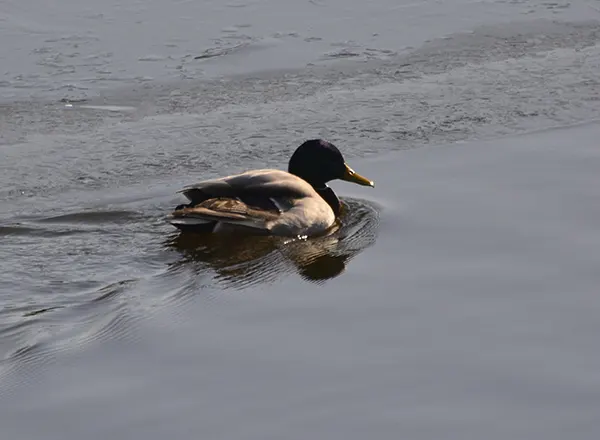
x: 352, y: 176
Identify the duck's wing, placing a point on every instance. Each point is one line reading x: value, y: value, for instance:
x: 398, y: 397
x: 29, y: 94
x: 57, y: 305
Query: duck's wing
x: 225, y: 210
x: 261, y: 188
x: 255, y: 199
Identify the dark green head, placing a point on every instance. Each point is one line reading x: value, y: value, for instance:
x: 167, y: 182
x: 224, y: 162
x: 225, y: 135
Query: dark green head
x: 318, y: 162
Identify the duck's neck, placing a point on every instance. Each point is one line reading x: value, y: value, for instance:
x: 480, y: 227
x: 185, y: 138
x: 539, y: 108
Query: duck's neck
x: 331, y: 198
x: 322, y: 189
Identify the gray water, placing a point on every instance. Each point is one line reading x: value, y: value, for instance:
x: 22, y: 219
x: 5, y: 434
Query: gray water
x: 458, y: 300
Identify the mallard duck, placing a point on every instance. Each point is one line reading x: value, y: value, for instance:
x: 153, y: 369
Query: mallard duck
x: 296, y: 202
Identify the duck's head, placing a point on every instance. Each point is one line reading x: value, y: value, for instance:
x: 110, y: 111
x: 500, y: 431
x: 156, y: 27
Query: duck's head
x: 318, y: 162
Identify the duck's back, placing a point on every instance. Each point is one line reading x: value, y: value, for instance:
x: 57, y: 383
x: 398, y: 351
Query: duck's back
x: 265, y: 183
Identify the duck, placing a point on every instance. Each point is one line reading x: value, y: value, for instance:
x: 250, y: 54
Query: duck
x: 293, y: 203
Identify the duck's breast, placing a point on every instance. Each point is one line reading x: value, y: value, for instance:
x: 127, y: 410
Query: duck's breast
x: 308, y: 216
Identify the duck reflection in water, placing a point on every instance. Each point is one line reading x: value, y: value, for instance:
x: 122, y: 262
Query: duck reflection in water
x: 242, y: 260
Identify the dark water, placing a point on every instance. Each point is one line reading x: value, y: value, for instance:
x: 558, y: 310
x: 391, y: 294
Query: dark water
x: 457, y: 300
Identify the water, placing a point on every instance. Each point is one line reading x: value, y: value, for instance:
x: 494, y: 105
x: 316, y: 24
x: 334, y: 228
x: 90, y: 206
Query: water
x: 458, y: 300
x: 79, y: 47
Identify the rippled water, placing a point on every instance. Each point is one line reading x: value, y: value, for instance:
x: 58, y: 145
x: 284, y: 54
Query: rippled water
x: 455, y: 301
x: 67, y: 303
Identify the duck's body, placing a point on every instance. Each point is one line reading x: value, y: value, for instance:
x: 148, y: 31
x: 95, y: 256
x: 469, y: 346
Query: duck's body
x: 296, y: 202
x: 266, y: 201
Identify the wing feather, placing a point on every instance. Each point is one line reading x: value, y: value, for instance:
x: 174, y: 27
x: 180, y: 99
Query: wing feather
x: 258, y: 183
x: 227, y: 210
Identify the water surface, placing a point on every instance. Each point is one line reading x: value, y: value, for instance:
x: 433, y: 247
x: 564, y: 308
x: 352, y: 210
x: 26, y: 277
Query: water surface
x: 457, y: 300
